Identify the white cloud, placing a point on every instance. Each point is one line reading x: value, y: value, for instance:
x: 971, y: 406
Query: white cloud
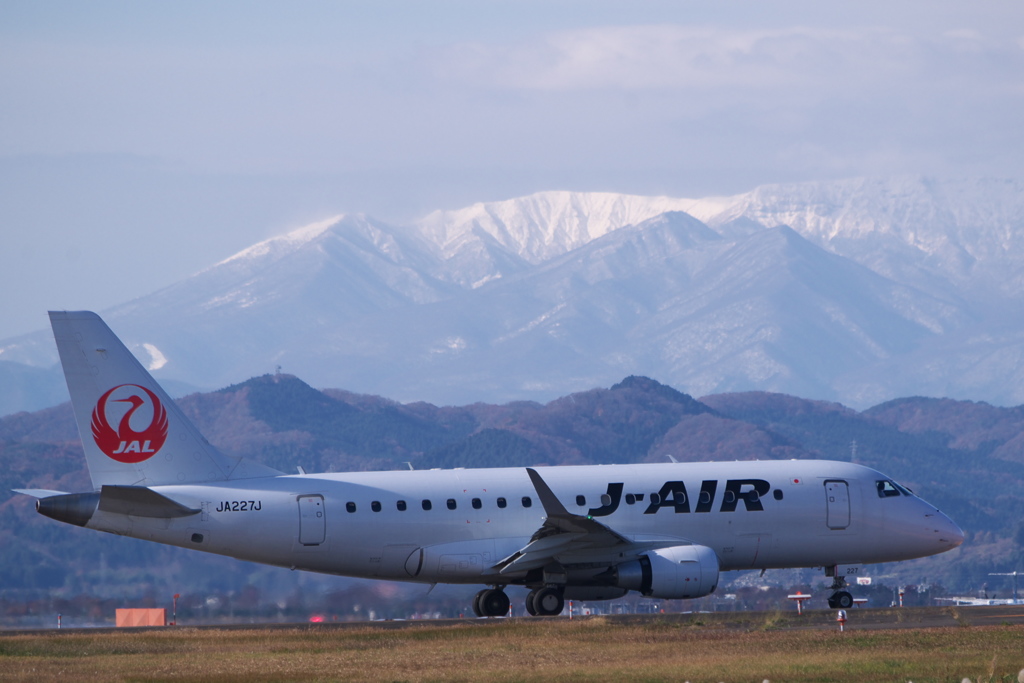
x: 679, y: 56
x: 156, y: 357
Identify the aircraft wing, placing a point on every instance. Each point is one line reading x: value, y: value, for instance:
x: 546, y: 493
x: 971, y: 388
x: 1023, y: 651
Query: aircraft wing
x: 563, y: 533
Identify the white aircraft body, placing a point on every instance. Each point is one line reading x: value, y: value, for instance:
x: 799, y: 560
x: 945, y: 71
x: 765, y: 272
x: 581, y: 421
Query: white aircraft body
x: 981, y: 602
x: 583, y: 532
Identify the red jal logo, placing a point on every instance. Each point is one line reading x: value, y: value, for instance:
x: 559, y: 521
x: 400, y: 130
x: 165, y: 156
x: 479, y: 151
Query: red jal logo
x: 125, y: 444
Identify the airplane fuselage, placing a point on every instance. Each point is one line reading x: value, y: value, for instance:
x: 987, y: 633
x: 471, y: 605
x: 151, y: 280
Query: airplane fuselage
x: 453, y: 526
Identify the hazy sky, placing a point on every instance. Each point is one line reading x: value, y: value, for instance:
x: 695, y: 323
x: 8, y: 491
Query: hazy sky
x: 141, y: 142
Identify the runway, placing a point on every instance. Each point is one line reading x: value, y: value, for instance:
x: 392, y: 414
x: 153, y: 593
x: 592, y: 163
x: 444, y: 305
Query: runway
x: 857, y: 619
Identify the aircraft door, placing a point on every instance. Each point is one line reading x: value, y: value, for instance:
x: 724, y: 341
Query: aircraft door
x: 837, y: 496
x: 312, y: 520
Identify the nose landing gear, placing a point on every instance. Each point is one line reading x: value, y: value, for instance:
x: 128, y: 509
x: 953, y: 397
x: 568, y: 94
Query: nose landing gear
x: 840, y: 599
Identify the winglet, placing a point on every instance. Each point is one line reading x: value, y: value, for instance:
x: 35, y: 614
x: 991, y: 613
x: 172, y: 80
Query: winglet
x: 548, y: 499
x: 560, y: 519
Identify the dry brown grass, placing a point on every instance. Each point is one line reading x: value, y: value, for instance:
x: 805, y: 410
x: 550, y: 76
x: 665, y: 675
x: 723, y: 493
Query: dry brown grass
x: 519, y: 650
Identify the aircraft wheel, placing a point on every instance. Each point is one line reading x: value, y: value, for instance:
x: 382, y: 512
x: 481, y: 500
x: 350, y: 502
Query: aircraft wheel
x: 530, y: 608
x: 477, y: 600
x: 843, y: 600
x: 548, y: 601
x: 493, y: 602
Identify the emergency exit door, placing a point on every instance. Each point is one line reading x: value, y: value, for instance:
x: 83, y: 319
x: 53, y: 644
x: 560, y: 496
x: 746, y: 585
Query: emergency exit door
x: 837, y: 497
x: 312, y: 520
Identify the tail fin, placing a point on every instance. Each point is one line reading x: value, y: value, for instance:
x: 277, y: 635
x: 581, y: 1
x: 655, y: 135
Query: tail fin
x: 132, y: 432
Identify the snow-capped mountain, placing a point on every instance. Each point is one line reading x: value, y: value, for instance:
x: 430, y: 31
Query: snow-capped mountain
x: 921, y: 231
x: 856, y: 291
x: 534, y: 228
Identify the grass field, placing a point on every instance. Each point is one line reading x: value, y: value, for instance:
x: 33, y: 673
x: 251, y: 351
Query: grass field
x: 520, y: 650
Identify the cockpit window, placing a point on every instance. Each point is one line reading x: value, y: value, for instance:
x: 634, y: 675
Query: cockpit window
x: 887, y: 489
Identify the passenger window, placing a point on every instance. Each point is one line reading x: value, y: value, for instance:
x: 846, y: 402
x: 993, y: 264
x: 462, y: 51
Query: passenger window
x: 502, y: 502
x: 401, y: 505
x: 886, y: 488
x: 655, y: 499
x: 375, y: 506
x: 630, y: 499
x: 426, y: 504
x: 350, y: 506
x: 477, y: 504
x: 778, y: 494
x: 581, y: 500
x: 705, y: 498
x: 451, y: 504
x: 527, y: 502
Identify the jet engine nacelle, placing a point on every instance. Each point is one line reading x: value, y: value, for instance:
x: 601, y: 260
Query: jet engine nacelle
x: 679, y: 571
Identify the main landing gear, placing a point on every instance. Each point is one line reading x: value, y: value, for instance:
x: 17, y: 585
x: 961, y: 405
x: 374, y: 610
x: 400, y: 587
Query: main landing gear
x: 545, y: 602
x: 493, y: 602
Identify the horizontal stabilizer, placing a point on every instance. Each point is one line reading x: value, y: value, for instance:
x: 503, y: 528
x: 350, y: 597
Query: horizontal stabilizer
x: 39, y: 493
x: 140, y: 501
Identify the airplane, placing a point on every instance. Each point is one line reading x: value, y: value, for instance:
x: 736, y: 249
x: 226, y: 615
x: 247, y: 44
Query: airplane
x: 570, y: 532
x: 980, y: 602
x: 985, y: 600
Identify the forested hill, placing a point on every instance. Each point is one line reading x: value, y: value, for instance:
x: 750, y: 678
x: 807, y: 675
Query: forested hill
x: 967, y: 458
